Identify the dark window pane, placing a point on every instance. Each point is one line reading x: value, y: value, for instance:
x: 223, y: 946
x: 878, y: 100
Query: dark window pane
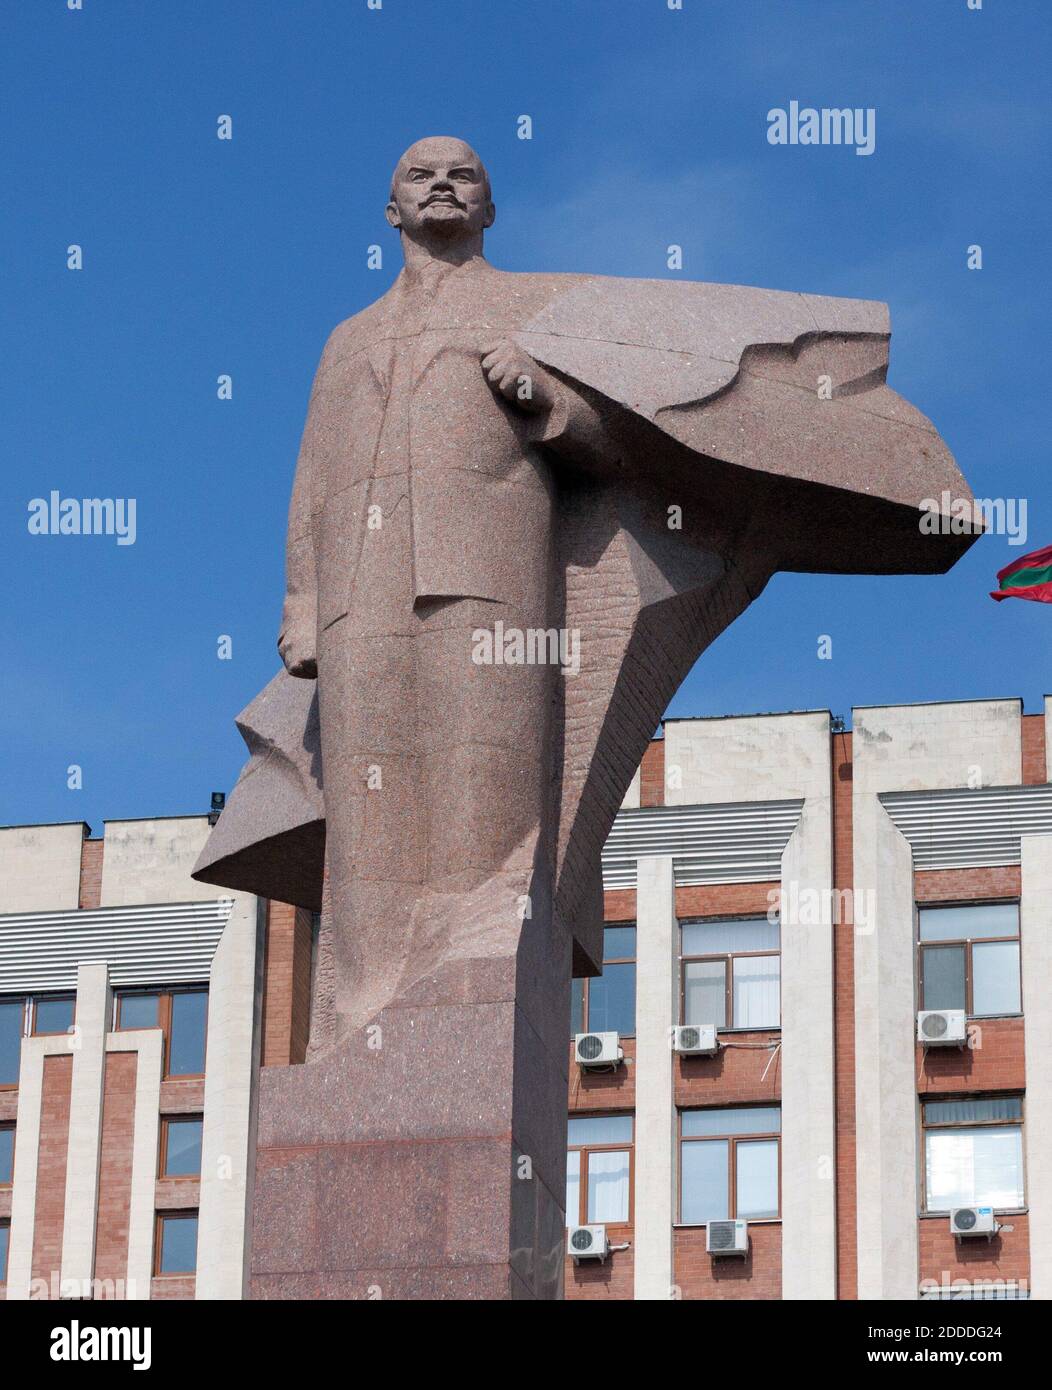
x: 187, y: 1050
x: 972, y: 920
x: 705, y: 992
x: 943, y: 968
x: 619, y: 943
x: 53, y: 1015
x: 612, y: 1000
x: 948, y: 1112
x: 183, y: 1158
x: 138, y: 1011
x: 5, y: 1232
x: 178, y: 1245
x: 12, y: 1020
x: 704, y: 1177
x: 576, y: 1006
x: 7, y: 1154
x: 995, y: 977
x: 757, y: 1178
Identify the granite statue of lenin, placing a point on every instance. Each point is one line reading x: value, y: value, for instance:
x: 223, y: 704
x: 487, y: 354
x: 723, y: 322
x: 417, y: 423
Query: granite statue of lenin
x: 611, y: 466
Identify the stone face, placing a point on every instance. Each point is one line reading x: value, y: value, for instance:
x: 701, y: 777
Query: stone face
x: 679, y: 443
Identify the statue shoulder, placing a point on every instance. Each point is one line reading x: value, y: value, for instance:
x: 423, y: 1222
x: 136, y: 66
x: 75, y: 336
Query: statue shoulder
x: 355, y: 333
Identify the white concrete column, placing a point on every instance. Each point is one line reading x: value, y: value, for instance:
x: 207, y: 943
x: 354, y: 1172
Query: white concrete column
x: 233, y: 1026
x: 148, y: 1043
x: 657, y: 952
x: 88, y: 1044
x: 885, y: 1080
x: 807, y: 1060
x: 1036, y: 944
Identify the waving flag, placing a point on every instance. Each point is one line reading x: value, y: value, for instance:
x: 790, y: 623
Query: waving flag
x: 1028, y: 577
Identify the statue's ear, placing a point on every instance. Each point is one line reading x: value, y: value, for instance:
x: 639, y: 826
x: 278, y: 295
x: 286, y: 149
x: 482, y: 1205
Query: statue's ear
x: 392, y: 215
x: 490, y: 216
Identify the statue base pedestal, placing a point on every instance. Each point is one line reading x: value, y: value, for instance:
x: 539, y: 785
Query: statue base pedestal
x: 425, y: 1160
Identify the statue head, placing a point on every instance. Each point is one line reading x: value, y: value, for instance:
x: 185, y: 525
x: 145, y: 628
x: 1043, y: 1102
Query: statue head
x: 440, y: 196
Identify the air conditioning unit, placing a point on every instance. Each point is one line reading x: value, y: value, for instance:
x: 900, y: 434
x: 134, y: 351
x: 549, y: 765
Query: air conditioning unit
x: 727, y: 1238
x: 597, y: 1049
x: 942, y: 1028
x: 973, y: 1221
x: 695, y: 1039
x: 587, y: 1243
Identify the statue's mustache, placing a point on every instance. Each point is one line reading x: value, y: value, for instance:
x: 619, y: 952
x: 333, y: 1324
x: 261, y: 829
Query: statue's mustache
x: 444, y: 198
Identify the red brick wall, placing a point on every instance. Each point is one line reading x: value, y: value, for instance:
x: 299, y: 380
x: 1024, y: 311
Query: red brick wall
x: 613, y: 1279
x: 1033, y: 728
x: 591, y: 1091
x: 619, y: 905
x: 51, y: 1167
x: 115, y: 1160
x: 844, y: 1026
x: 734, y: 1076
x: 756, y: 1276
x: 286, y: 987
x: 943, y: 1257
x: 91, y: 873
x: 995, y: 1062
x: 173, y: 1286
x: 725, y: 899
x: 652, y: 774
x: 963, y: 885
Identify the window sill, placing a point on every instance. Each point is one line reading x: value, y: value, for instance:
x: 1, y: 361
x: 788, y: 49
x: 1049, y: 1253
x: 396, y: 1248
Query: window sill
x: 769, y: 1028
x: 998, y: 1211
x: 749, y: 1221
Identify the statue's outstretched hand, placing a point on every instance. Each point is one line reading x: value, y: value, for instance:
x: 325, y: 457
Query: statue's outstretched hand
x: 298, y: 655
x: 516, y: 377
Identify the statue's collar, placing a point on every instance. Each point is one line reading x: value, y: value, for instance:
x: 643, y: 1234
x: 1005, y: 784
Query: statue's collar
x: 430, y: 274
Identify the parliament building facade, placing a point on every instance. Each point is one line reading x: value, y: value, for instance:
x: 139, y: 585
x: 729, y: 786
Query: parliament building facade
x: 817, y: 1065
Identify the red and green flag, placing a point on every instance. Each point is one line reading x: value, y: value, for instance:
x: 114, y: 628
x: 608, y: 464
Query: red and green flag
x: 1028, y: 577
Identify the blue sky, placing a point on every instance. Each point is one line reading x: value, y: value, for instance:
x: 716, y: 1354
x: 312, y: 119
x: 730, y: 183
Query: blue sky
x: 204, y: 257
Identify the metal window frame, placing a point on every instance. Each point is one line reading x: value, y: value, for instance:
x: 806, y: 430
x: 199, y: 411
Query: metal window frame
x: 6, y: 1125
x: 732, y: 1139
x: 619, y: 1147
x: 164, y: 1021
x: 967, y: 942
x: 614, y: 960
x: 728, y: 957
x: 943, y: 1125
x: 160, y: 1217
x: 162, y: 1161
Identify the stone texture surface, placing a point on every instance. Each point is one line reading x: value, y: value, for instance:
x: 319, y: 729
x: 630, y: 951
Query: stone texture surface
x: 455, y: 810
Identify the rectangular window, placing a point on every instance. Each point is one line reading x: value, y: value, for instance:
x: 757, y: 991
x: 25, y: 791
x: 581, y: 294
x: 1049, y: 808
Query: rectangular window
x: 52, y: 1014
x: 969, y: 958
x: 5, y: 1236
x: 598, y: 1169
x: 607, y: 1002
x: 186, y: 1046
x: 12, y: 1030
x: 731, y: 973
x: 729, y: 1164
x: 181, y: 1014
x: 181, y: 1147
x: 7, y: 1154
x: 973, y: 1153
x: 177, y: 1242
